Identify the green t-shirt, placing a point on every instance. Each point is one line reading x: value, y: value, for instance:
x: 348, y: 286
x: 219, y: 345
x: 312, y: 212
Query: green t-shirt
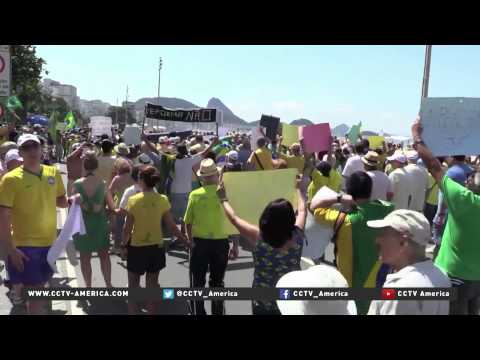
x: 205, y: 213
x: 459, y: 255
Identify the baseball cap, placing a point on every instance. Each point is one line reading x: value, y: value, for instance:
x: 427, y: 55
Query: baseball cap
x: 317, y: 276
x: 457, y: 174
x: 412, y: 155
x: 412, y: 222
x: 144, y: 159
x: 232, y: 155
x: 6, y: 146
x: 12, y: 155
x: 27, y: 137
x: 400, y: 157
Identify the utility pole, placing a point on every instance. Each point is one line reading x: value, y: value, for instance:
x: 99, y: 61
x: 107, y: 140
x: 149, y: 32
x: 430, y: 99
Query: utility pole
x: 126, y: 107
x: 426, y: 71
x: 160, y: 63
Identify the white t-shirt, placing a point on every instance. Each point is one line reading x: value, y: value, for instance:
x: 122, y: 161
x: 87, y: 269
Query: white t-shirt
x: 420, y: 275
x: 352, y: 165
x: 402, y: 188
x: 128, y: 193
x: 420, y: 186
x: 381, y: 185
x: 182, y: 177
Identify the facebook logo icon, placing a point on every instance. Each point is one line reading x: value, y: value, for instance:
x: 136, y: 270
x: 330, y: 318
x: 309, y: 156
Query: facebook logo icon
x: 284, y: 294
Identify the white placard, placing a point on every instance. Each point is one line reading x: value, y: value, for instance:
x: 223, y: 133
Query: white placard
x: 101, y: 125
x: 257, y: 133
x: 5, y: 71
x: 132, y: 135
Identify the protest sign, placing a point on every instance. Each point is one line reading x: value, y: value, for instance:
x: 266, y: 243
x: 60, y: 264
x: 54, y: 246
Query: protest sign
x: 181, y: 115
x: 316, y: 138
x: 451, y: 125
x: 271, y: 124
x: 222, y: 131
x: 132, y: 135
x: 101, y: 125
x: 250, y: 192
x: 290, y: 134
x: 376, y: 142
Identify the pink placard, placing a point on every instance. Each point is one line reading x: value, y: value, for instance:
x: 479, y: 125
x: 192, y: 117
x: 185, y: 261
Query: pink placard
x: 316, y: 137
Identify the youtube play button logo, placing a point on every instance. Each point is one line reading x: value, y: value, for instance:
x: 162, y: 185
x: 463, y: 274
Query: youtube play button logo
x: 389, y: 294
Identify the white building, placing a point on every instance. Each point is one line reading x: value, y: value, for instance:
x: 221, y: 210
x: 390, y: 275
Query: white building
x: 64, y: 91
x: 90, y: 108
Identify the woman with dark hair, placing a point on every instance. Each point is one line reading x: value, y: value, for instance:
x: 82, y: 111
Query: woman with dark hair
x: 277, y: 243
x: 91, y: 192
x: 142, y: 242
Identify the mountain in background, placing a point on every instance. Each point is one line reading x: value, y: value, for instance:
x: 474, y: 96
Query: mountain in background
x: 172, y: 103
x: 340, y: 130
x: 301, y: 122
x: 228, y: 116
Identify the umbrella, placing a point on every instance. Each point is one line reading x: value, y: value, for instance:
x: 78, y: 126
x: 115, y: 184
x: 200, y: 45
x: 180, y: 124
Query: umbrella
x: 37, y: 119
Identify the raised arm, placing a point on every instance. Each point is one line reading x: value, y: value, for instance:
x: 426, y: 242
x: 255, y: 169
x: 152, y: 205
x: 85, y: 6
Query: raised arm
x: 150, y: 146
x: 430, y: 161
x: 301, y: 207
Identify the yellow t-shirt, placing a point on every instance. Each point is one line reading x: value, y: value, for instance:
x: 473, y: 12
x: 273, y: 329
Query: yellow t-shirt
x: 205, y: 214
x: 294, y: 162
x: 32, y: 199
x: 432, y: 198
x: 147, y: 209
x: 381, y: 162
x: 265, y: 157
x: 334, y: 182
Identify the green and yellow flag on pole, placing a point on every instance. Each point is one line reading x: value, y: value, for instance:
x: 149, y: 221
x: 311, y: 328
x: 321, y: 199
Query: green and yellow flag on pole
x: 70, y: 120
x: 354, y: 133
x: 13, y: 103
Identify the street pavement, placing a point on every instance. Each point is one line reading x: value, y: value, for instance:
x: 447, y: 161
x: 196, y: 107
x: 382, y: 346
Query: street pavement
x: 239, y: 274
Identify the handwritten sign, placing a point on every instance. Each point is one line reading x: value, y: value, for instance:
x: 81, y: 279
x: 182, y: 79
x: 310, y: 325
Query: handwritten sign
x: 316, y: 138
x: 376, y: 142
x: 249, y: 192
x: 290, y: 134
x: 101, y: 125
x: 271, y: 123
x: 451, y: 125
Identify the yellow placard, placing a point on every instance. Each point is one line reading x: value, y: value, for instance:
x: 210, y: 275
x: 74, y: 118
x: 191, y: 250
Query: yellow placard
x: 250, y: 192
x: 376, y: 142
x: 289, y: 134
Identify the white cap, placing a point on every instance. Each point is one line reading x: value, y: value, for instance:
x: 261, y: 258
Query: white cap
x: 321, y: 276
x: 412, y: 155
x: 409, y: 221
x: 400, y: 157
x: 232, y: 155
x: 12, y: 155
x: 27, y: 137
x: 144, y: 159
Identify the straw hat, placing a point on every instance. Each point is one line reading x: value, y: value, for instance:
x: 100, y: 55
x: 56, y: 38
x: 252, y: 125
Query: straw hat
x: 207, y: 168
x: 371, y: 158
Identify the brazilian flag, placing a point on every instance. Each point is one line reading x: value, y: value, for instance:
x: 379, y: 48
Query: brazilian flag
x: 70, y: 120
x: 13, y: 103
x: 354, y: 133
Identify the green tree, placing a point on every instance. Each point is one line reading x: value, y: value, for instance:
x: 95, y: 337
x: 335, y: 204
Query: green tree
x: 27, y: 70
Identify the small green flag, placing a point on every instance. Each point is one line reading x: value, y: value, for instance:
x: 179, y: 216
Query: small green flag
x: 13, y: 103
x: 70, y: 120
x: 354, y: 133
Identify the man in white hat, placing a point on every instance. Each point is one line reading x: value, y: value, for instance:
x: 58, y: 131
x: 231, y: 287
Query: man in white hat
x: 29, y: 196
x: 319, y: 276
x: 204, y: 218
x: 381, y: 185
x: 419, y: 178
x: 402, y: 182
x: 13, y: 159
x: 402, y: 241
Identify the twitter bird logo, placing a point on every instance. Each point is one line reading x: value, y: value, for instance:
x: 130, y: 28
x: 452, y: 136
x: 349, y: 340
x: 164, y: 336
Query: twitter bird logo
x: 168, y: 294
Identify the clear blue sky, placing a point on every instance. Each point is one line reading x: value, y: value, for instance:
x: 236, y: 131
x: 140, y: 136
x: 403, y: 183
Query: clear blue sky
x: 378, y: 85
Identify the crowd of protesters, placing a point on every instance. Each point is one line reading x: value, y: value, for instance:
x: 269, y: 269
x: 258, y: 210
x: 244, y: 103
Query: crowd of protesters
x: 387, y: 206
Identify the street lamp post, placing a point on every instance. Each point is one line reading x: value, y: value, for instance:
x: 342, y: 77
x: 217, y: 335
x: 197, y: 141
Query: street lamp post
x: 160, y: 63
x: 426, y: 71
